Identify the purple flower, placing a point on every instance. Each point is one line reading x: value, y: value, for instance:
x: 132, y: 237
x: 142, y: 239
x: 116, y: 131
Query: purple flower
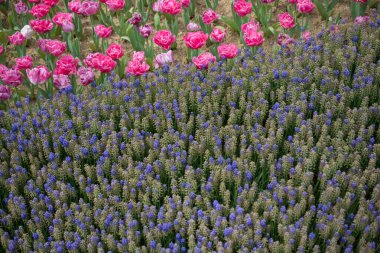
x: 146, y: 30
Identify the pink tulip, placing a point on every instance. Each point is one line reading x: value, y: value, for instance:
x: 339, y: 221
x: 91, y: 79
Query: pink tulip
x: 242, y: 7
x: 361, y: 20
x: 3, y: 69
x: 193, y: 27
x: 66, y: 65
x: 209, y: 16
x: 67, y: 26
x: 195, y: 40
x: 138, y: 56
x: 12, y: 77
x: 217, y: 35
x: 61, y: 81
x: 40, y: 10
x: 17, y: 39
x: 38, y: 75
x: 185, y: 3
x: 164, y: 39
x: 163, y: 59
x: 2, y: 49
x: 50, y: 2
x: 115, y: 5
x: 251, y: 25
x: 90, y: 59
x: 101, y: 62
x: 21, y: 8
x: 75, y: 6
x: 157, y: 6
x: 203, y: 60
x: 253, y: 38
x: 88, y: 8
x: 24, y: 62
x: 5, y: 92
x: 61, y: 17
x: 305, y: 6
x: 86, y: 75
x: 41, y: 26
x: 171, y: 7
x: 115, y: 51
x: 102, y: 31
x: 306, y: 35
x: 54, y: 47
x: 137, y: 66
x: 228, y: 51
x: 286, y: 20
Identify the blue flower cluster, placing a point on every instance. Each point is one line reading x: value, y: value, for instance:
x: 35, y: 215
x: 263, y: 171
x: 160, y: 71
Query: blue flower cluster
x: 273, y: 152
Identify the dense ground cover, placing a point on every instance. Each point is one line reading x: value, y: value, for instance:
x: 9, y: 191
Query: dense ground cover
x: 277, y: 151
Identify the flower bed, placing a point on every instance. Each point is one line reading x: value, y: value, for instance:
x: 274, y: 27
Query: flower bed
x: 49, y: 45
x: 267, y: 152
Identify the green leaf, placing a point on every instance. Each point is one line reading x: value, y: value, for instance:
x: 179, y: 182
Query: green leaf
x: 332, y: 5
x: 4, y: 10
x: 157, y: 21
x: 272, y: 30
x: 321, y: 9
x: 126, y: 38
x: 231, y: 23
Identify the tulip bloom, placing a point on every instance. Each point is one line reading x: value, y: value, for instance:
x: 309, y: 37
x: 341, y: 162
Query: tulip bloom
x: 227, y: 50
x: 21, y: 8
x: 192, y: 27
x: 24, y: 62
x: 86, y: 75
x: 286, y: 20
x: 88, y: 8
x: 195, y: 40
x: 242, y: 7
x: 209, y: 16
x: 102, y: 31
x: 27, y: 31
x: 61, y: 81
x: 115, y: 51
x: 5, y: 92
x: 305, y: 6
x: 253, y: 38
x: 171, y: 7
x: 115, y: 5
x: 11, y: 77
x: 217, y: 35
x: 41, y: 26
x: 146, y: 30
x: 66, y: 65
x: 203, y: 60
x: 17, y: 39
x: 163, y: 59
x: 38, y: 75
x: 164, y: 39
x: 40, y: 10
